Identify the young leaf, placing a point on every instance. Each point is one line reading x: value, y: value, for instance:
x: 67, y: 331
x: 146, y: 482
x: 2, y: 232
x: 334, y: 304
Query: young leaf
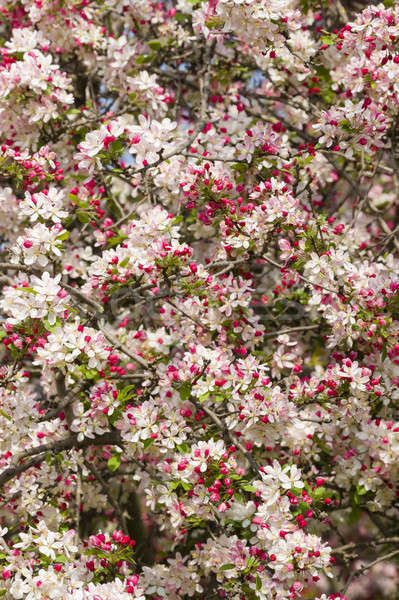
x: 114, y: 462
x: 185, y: 391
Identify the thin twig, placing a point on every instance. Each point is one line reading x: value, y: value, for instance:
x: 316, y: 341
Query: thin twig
x: 291, y: 330
x: 96, y: 473
x: 39, y: 452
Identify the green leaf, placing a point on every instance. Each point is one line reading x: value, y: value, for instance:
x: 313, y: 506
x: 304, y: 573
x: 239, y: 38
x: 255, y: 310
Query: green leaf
x: 241, y: 167
x: 248, y: 488
x: 53, y: 327
x: 155, y: 44
x: 305, y: 6
x: 329, y: 38
x: 258, y: 583
x: 91, y: 373
x: 140, y: 60
x: 238, y: 497
x: 183, y: 448
x: 321, y: 445
x: 215, y: 23
x: 117, y: 146
x: 124, y: 263
x: 361, y: 490
x: 114, y: 462
x: 354, y: 515
x: 376, y: 408
x: 117, y: 239
x: 181, y: 17
x: 148, y: 442
x: 4, y: 414
x: 319, y: 493
x: 185, y: 391
x: 345, y: 125
x: 63, y: 236
x: 83, y: 217
x: 125, y: 393
x: 60, y: 558
x: 28, y: 289
x: 227, y: 567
